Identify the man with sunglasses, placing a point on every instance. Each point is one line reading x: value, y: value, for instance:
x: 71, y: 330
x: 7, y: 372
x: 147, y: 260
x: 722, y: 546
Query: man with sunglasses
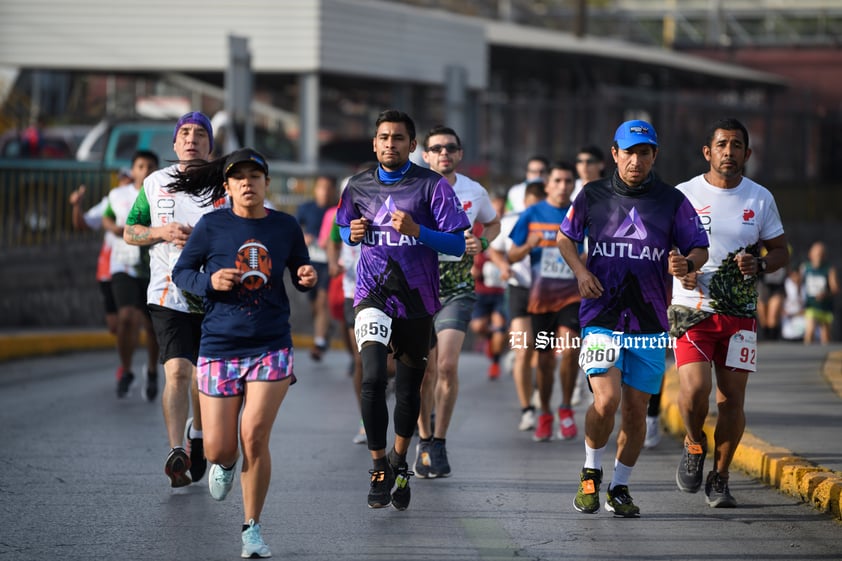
x: 443, y: 152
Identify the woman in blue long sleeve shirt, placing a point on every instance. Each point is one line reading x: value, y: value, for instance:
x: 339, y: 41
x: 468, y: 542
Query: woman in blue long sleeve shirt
x: 235, y: 260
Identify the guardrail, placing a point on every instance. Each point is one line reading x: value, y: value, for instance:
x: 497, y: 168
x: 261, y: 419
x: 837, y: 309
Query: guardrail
x: 34, y: 208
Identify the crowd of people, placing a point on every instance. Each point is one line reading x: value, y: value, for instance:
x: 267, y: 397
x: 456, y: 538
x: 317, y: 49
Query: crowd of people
x: 598, y: 275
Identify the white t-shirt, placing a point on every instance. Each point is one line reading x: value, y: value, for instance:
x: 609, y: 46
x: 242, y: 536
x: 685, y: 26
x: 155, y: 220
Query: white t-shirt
x: 521, y: 275
x: 735, y: 219
x: 514, y: 199
x: 476, y: 203
x: 164, y: 208
x: 125, y: 258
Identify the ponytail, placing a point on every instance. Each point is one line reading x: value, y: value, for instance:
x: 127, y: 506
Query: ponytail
x: 200, y: 179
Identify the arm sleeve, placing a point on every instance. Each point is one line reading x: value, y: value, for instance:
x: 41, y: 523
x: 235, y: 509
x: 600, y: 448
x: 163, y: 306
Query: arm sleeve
x: 93, y: 218
x: 140, y: 214
x: 451, y: 243
x: 345, y: 234
x: 187, y: 273
x: 109, y: 212
x: 573, y: 226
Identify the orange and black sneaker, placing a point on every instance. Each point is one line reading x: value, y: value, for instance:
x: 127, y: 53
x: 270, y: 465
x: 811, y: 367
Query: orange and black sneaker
x: 587, y: 497
x: 382, y: 481
x: 689, y: 474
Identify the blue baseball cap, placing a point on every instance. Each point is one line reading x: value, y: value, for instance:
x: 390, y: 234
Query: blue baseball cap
x: 631, y: 133
x: 195, y: 118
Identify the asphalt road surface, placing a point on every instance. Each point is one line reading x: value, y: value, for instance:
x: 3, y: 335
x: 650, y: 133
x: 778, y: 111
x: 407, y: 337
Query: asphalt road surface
x: 82, y: 478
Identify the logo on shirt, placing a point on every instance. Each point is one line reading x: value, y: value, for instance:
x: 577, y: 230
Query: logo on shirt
x: 632, y: 227
x: 748, y: 217
x: 384, y: 215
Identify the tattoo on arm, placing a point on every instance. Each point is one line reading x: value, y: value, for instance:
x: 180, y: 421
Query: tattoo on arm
x: 136, y: 234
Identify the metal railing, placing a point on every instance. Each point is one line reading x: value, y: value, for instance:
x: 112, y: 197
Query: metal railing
x: 34, y: 207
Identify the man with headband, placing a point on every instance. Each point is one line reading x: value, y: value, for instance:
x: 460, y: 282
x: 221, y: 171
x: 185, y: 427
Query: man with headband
x: 164, y: 220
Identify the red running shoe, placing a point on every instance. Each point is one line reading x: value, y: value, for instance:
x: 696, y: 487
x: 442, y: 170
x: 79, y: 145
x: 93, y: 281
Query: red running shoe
x: 544, y: 430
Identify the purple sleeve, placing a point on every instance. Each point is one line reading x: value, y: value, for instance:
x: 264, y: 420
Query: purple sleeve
x: 688, y: 232
x: 447, y: 210
x: 346, y: 211
x: 573, y: 225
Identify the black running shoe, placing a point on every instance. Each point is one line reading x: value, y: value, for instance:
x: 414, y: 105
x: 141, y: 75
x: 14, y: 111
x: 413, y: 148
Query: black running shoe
x: 150, y: 392
x: 124, y: 383
x: 196, y: 452
x: 439, y: 466
x: 176, y: 467
x: 382, y: 481
x: 402, y: 493
x: 688, y: 475
x: 717, y: 493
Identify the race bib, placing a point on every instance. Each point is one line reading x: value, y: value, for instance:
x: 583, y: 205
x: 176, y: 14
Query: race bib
x: 125, y: 254
x: 553, y: 265
x: 742, y: 351
x: 372, y: 324
x: 599, y: 352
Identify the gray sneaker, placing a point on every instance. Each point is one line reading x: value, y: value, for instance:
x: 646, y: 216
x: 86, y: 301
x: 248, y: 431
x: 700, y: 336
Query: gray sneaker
x: 423, y: 460
x: 688, y: 475
x: 717, y: 493
x: 438, y: 456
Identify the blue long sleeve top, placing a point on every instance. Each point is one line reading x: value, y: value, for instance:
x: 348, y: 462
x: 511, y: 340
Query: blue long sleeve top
x: 254, y: 317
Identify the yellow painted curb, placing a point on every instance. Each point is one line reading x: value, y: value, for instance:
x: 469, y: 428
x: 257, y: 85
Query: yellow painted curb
x: 44, y: 343
x: 48, y: 343
x: 773, y: 465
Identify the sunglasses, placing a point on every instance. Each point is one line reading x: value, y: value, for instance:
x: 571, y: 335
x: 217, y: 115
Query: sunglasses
x: 587, y: 161
x: 451, y: 148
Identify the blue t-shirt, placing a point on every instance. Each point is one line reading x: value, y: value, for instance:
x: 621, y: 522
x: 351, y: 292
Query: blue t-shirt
x: 310, y: 216
x: 554, y: 285
x: 254, y: 317
x: 630, y: 234
x: 397, y: 273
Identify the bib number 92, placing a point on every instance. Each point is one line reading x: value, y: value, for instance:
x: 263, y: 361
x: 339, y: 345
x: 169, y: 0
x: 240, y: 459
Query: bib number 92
x: 374, y: 325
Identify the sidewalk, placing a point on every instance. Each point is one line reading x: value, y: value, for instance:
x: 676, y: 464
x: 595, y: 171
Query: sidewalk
x: 793, y: 410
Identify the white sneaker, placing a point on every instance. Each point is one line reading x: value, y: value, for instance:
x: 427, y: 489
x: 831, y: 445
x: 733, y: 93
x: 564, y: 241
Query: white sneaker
x: 253, y: 544
x: 653, y: 432
x: 360, y: 437
x: 527, y: 420
x: 220, y: 481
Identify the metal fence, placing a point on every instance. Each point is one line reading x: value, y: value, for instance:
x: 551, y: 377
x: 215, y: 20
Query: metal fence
x: 34, y: 207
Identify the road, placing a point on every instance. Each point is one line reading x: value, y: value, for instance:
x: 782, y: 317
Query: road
x: 82, y: 478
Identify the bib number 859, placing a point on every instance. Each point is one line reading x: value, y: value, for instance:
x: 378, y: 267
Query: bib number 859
x: 373, y: 325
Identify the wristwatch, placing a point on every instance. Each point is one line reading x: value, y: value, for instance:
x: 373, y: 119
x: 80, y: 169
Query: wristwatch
x: 761, y: 265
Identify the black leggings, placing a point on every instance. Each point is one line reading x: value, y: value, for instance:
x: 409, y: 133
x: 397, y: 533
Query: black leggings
x: 410, y: 360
